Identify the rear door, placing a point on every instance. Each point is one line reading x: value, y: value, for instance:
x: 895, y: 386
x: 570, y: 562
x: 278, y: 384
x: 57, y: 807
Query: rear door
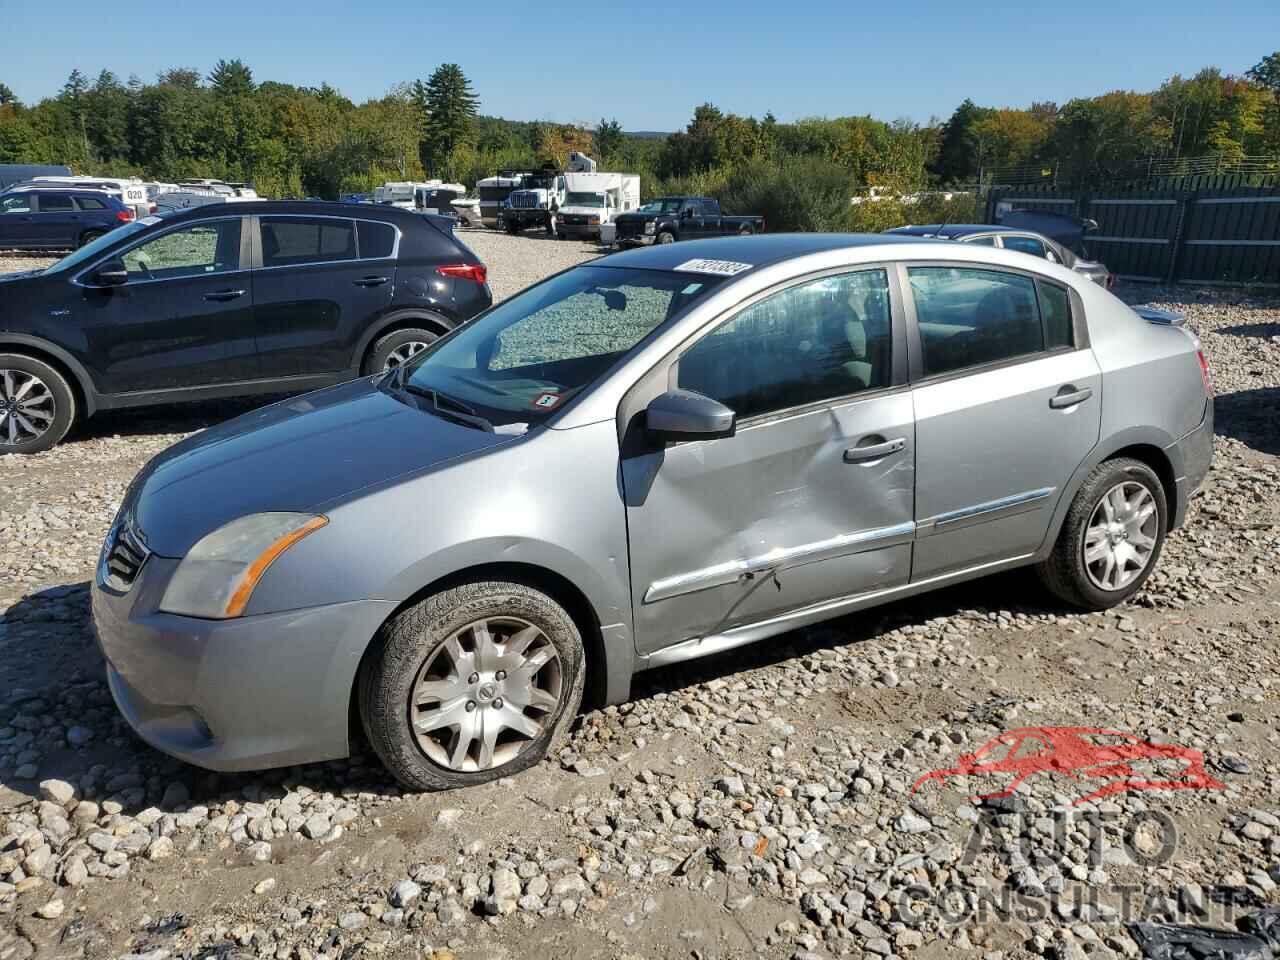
x: 183, y: 320
x: 1008, y: 401
x: 811, y: 500
x: 322, y: 279
x: 57, y: 221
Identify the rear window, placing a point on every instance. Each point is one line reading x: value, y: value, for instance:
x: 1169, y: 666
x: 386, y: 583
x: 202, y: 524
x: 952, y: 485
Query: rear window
x: 90, y: 203
x: 294, y: 241
x: 377, y: 240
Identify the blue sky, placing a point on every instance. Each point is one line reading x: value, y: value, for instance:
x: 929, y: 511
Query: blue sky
x: 649, y: 63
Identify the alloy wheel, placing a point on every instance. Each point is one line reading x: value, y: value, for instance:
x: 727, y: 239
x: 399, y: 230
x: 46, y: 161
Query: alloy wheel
x: 27, y: 407
x: 403, y: 354
x: 1121, y: 536
x: 485, y: 694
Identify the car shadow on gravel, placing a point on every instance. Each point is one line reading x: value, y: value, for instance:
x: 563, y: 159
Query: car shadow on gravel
x: 166, y: 419
x: 1261, y: 331
x: 1250, y: 416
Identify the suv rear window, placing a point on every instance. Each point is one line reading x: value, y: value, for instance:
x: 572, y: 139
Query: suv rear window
x: 293, y: 241
x: 90, y: 203
x: 377, y: 240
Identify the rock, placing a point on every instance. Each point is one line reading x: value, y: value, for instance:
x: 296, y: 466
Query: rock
x: 404, y: 893
x: 264, y: 886
x: 353, y: 920
x: 731, y: 786
x: 58, y: 791
x: 449, y: 816
x: 160, y: 848
x: 259, y: 852
x: 79, y: 736
x: 316, y: 827
x: 450, y: 912
x: 74, y: 873
x: 910, y: 823
x: 175, y: 795
x: 52, y: 910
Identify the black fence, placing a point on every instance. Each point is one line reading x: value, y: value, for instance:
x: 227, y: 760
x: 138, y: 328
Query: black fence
x: 1209, y: 230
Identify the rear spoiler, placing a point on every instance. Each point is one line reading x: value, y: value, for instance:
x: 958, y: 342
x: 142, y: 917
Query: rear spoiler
x: 1165, y: 318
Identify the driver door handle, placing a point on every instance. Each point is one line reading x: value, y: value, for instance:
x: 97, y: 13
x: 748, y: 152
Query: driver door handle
x: 1069, y: 396
x: 876, y: 451
x: 370, y: 281
x: 221, y: 295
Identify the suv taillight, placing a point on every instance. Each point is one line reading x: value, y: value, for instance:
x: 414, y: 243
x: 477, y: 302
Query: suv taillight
x: 1204, y: 372
x: 475, y: 272
x: 124, y: 216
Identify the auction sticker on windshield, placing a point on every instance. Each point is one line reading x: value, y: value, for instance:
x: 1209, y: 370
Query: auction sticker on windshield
x: 547, y: 401
x: 720, y: 268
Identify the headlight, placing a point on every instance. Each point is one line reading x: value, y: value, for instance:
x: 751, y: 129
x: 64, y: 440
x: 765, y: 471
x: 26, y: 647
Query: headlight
x: 216, y: 578
x: 650, y: 227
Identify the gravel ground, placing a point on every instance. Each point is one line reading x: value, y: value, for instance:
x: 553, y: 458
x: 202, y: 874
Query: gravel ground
x: 757, y: 804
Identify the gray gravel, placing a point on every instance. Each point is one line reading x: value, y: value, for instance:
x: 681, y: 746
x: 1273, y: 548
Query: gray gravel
x: 755, y: 804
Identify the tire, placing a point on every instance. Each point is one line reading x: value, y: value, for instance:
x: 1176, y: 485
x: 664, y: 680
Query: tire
x: 666, y: 236
x: 396, y: 347
x: 745, y: 231
x: 91, y: 235
x: 513, y: 229
x: 31, y: 390
x: 1100, y: 584
x: 416, y: 649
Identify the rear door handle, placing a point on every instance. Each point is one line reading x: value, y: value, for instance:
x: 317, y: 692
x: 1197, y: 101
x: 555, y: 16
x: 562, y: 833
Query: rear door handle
x: 1069, y: 397
x: 224, y: 295
x: 876, y: 451
x: 370, y: 281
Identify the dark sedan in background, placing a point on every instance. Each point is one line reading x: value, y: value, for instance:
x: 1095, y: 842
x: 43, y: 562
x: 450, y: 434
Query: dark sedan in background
x: 226, y: 300
x: 57, y: 218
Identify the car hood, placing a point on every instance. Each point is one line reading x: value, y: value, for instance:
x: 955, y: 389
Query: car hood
x: 637, y: 215
x: 20, y: 275
x: 302, y: 454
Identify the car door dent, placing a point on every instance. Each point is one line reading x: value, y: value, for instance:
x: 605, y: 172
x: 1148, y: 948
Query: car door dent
x: 779, y: 559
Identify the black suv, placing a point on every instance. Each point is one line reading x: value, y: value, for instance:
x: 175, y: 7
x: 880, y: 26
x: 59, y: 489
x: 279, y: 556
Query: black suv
x: 226, y: 300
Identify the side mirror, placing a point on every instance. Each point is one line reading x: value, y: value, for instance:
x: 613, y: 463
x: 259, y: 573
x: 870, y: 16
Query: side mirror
x: 111, y: 274
x: 1088, y: 224
x: 684, y: 415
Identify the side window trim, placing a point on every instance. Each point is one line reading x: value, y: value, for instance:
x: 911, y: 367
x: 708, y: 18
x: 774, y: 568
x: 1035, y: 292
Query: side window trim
x: 917, y: 375
x: 118, y: 254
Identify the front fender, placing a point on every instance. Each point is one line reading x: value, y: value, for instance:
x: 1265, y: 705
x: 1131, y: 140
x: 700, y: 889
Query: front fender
x: 85, y: 382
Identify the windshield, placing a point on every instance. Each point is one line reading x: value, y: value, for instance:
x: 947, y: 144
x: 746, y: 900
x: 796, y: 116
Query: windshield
x: 108, y: 239
x: 662, y: 205
x: 522, y: 361
x: 575, y: 199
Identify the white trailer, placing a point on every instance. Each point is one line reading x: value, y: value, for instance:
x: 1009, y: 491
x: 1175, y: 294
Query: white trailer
x: 493, y: 192
x: 592, y: 200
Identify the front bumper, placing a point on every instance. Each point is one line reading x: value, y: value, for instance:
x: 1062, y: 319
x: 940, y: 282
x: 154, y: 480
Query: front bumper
x: 1195, y: 450
x: 524, y: 217
x: 242, y: 694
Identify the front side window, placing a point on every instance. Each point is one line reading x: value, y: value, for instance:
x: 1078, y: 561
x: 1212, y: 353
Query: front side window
x: 198, y: 250
x: 968, y: 317
x: 710, y: 208
x: 823, y: 339
x: 529, y: 356
x: 293, y: 241
x: 16, y: 203
x: 1024, y: 245
x: 56, y: 203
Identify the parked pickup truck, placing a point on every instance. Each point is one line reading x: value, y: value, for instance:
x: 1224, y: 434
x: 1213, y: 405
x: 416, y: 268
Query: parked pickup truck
x: 668, y: 219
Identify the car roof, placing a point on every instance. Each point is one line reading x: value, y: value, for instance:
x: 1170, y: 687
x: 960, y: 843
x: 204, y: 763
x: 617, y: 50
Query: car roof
x: 949, y: 231
x: 756, y: 251
x: 314, y: 208
x: 53, y: 188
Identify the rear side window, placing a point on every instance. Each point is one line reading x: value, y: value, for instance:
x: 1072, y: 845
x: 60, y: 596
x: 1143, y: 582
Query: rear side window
x: 55, y: 202
x: 970, y: 317
x: 90, y: 203
x: 983, y: 241
x: 293, y: 241
x: 377, y: 240
x: 1055, y: 308
x: 1024, y: 245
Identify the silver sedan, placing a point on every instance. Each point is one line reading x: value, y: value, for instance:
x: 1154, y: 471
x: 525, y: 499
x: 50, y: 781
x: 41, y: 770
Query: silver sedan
x: 653, y: 457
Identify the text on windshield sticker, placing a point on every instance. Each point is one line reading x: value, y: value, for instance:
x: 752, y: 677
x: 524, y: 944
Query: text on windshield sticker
x: 721, y: 268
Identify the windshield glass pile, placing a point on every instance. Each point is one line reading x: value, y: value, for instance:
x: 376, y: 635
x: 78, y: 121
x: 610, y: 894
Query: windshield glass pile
x: 528, y: 357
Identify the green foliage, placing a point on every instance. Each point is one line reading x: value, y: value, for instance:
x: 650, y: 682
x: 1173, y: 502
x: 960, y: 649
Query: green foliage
x: 607, y: 139
x: 449, y: 108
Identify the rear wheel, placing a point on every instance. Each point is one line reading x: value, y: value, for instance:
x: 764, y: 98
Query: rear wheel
x: 37, y: 406
x: 1111, y: 538
x: 471, y: 684
x: 90, y: 235
x: 745, y: 230
x: 397, y: 347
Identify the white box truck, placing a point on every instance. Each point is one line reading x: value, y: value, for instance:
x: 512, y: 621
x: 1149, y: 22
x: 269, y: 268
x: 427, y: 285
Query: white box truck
x: 592, y: 200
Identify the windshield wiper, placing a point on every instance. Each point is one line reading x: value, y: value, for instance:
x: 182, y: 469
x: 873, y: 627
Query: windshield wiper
x: 461, y: 412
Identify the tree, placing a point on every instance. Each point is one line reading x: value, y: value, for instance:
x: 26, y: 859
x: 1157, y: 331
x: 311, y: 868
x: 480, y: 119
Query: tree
x: 960, y: 152
x: 450, y: 108
x: 607, y: 138
x: 231, y: 78
x: 8, y: 98
x: 179, y: 77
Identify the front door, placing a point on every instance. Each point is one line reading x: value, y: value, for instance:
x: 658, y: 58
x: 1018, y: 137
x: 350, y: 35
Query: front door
x: 1008, y: 402
x: 318, y: 288
x: 811, y: 500
x: 17, y: 220
x: 183, y: 319
x: 57, y: 221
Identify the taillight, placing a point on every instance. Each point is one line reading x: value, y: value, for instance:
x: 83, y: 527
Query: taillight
x: 475, y: 272
x: 1204, y: 372
x: 124, y: 216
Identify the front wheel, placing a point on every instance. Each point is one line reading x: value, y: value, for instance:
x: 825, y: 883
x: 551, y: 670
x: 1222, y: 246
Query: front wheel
x: 666, y: 237
x: 37, y: 406
x: 471, y: 684
x: 1111, y: 538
